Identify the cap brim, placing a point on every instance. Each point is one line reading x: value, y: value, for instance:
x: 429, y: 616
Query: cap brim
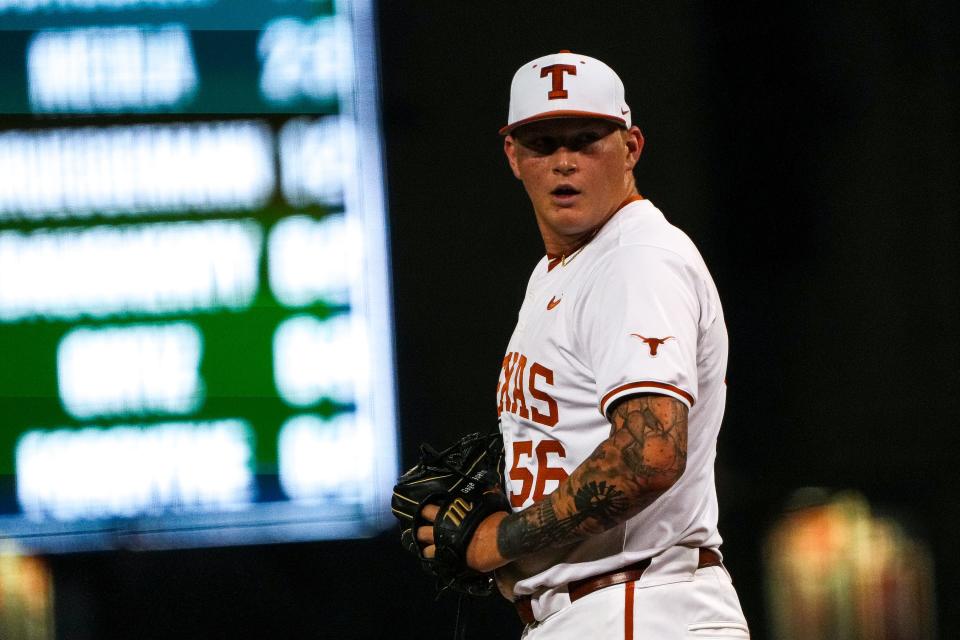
x: 550, y: 115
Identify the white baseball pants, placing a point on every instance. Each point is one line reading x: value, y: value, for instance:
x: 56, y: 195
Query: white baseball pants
x: 701, y: 608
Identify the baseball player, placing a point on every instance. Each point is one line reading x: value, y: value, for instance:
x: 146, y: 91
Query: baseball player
x: 612, y: 389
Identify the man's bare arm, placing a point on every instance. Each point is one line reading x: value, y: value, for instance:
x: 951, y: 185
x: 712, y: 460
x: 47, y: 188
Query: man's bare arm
x: 643, y: 457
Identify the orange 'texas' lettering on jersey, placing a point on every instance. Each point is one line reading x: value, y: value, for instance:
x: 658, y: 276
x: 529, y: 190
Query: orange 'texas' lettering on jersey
x: 557, y: 71
x: 519, y: 404
x: 503, y: 388
x: 515, y: 380
x: 653, y: 343
x: 537, y: 369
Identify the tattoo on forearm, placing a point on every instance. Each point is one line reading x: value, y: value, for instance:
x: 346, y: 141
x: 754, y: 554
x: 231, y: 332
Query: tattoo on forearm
x: 644, y: 455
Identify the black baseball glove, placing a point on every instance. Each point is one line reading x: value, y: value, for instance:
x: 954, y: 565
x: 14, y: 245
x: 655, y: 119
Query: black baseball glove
x: 465, y: 481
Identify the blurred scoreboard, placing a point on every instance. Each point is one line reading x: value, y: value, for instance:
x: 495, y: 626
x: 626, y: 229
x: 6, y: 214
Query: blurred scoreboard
x: 195, y: 321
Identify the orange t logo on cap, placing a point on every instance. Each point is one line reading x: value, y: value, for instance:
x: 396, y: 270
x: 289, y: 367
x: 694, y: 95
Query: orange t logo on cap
x: 556, y: 71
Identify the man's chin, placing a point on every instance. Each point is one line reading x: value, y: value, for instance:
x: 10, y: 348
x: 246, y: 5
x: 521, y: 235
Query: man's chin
x: 570, y: 210
x: 572, y: 217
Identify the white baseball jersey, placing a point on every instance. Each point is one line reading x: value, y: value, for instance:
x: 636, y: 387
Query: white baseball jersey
x: 633, y: 311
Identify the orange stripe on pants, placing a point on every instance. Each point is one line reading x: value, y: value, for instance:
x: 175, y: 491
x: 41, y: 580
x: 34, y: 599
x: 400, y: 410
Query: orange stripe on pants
x: 628, y: 612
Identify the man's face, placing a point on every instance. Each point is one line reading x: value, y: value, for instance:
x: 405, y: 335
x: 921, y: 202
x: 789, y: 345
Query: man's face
x: 575, y: 170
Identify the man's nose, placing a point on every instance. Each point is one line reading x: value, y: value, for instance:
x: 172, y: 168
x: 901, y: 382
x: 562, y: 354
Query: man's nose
x: 566, y: 162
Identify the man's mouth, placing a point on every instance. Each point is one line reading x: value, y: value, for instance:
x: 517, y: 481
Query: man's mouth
x: 565, y: 191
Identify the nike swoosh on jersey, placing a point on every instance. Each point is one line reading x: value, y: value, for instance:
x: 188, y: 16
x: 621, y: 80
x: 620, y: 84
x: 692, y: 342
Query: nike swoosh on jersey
x: 554, y: 301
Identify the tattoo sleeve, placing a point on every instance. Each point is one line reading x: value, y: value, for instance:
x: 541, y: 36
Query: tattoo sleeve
x: 644, y: 455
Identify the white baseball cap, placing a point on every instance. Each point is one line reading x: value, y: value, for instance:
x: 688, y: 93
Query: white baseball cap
x: 566, y: 85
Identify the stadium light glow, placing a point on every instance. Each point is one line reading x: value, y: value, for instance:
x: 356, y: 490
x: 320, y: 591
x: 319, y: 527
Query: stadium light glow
x: 319, y: 458
x: 136, y: 269
x: 315, y: 359
x: 130, y: 470
x: 128, y: 170
x: 313, y: 260
x: 121, y: 68
x: 139, y: 370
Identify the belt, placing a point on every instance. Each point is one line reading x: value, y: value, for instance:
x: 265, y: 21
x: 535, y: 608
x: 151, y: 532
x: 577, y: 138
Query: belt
x: 580, y: 588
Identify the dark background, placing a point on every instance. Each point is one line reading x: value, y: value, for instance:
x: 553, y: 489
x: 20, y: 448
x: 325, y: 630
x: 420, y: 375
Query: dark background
x: 813, y: 154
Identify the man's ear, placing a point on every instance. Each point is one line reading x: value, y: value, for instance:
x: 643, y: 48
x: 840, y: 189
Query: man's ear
x: 510, y: 150
x: 634, y: 141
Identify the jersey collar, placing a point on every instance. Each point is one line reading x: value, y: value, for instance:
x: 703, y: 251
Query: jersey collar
x: 554, y: 259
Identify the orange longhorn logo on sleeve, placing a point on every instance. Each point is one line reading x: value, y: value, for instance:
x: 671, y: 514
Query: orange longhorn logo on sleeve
x: 653, y: 343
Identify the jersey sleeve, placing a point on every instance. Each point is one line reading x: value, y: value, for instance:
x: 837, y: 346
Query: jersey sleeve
x: 637, y: 324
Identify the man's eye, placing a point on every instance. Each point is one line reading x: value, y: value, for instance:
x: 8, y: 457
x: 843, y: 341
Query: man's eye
x: 547, y: 145
x: 542, y: 145
x: 584, y: 140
